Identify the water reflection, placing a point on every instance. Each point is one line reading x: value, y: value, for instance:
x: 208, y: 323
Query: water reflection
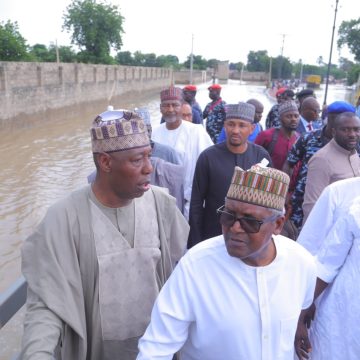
x: 43, y: 163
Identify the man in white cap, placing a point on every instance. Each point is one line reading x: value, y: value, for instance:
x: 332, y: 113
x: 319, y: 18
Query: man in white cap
x: 97, y: 261
x: 238, y: 295
x: 215, y: 167
x: 188, y: 139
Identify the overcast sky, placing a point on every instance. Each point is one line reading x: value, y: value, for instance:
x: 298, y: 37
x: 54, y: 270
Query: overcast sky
x: 224, y: 30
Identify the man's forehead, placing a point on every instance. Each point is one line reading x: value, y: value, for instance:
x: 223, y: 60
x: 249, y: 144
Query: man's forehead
x: 131, y: 152
x: 290, y: 113
x: 238, y: 121
x: 244, y: 207
x: 171, y: 102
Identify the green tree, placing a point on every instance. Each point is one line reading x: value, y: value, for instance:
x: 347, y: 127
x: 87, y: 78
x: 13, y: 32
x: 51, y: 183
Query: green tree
x: 124, y: 58
x: 258, y: 61
x: 345, y: 64
x: 320, y: 61
x: 150, y: 60
x: 236, y: 66
x: 349, y: 34
x: 168, y: 61
x: 199, y: 63
x: 41, y: 53
x: 96, y: 29
x: 212, y: 63
x: 66, y: 53
x: 13, y: 46
x: 353, y: 74
x: 281, y: 68
x: 139, y: 58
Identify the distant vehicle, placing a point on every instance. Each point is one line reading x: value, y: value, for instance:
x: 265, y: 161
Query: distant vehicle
x: 313, y: 81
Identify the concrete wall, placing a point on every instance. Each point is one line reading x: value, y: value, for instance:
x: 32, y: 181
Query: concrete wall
x: 249, y: 76
x: 183, y: 77
x: 29, y: 88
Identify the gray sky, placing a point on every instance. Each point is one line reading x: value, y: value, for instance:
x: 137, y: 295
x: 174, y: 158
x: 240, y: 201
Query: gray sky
x: 225, y: 30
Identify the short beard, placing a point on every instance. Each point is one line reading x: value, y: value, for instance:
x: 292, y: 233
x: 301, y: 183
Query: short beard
x: 170, y: 119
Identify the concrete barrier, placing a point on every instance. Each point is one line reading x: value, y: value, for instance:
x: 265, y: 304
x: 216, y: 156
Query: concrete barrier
x: 30, y: 90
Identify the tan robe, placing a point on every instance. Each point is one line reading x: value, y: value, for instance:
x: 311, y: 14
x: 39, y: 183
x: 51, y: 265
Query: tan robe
x: 60, y: 263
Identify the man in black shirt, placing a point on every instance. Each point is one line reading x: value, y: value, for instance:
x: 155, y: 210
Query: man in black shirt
x: 215, y: 167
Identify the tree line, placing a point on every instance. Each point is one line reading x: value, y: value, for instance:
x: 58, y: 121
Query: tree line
x: 96, y: 29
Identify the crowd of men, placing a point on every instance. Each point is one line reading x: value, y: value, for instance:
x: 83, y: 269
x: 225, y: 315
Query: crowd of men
x: 205, y: 237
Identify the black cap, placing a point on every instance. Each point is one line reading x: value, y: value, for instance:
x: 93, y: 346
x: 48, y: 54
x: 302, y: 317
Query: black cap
x: 288, y: 93
x: 305, y: 93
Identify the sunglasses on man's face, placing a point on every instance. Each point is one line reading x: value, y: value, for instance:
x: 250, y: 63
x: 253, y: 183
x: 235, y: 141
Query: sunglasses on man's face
x: 249, y: 224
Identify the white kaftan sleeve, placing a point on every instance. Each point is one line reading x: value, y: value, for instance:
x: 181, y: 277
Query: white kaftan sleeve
x: 336, y: 246
x: 318, y: 223
x: 170, y: 318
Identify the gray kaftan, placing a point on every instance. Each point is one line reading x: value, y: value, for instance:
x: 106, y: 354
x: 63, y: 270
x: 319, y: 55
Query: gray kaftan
x: 60, y: 262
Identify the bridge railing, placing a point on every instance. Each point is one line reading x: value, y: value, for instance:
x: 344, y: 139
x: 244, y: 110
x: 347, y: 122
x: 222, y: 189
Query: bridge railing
x: 11, y: 300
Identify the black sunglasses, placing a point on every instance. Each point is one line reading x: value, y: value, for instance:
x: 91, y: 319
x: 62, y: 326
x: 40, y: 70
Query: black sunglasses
x: 248, y: 224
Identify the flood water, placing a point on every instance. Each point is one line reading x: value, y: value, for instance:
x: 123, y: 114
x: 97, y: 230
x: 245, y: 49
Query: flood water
x: 43, y: 163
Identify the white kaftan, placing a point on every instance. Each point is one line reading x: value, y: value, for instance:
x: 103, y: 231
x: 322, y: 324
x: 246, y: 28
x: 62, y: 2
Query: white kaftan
x: 216, y: 307
x: 333, y: 202
x: 335, y: 332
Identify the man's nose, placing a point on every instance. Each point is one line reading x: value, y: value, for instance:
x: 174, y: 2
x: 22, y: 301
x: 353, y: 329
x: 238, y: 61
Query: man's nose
x: 147, y: 168
x: 236, y: 227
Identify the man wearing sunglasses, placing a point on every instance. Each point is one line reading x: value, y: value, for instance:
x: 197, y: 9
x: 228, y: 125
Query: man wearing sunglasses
x: 97, y: 261
x: 238, y: 295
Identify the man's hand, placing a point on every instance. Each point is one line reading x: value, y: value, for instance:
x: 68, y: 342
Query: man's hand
x: 302, y: 343
x: 309, y: 315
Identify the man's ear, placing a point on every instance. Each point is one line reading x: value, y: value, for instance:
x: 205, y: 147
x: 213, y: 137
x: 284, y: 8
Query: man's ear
x: 333, y: 132
x: 279, y: 224
x: 104, y: 161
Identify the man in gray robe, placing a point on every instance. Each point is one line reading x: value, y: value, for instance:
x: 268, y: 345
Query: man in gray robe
x: 97, y: 261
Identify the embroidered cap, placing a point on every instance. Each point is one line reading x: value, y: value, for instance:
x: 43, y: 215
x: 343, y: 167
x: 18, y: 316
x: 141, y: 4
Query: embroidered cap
x: 260, y: 186
x: 171, y: 93
x: 287, y: 106
x: 242, y: 111
x: 118, y: 130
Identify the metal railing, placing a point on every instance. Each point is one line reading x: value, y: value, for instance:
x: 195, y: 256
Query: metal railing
x: 11, y: 300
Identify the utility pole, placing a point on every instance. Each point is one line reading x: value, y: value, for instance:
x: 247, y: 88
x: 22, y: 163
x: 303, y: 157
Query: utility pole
x: 192, y: 58
x: 270, y: 74
x: 282, y: 46
x: 331, y: 48
x: 281, y: 56
x: 57, y: 52
x: 301, y: 70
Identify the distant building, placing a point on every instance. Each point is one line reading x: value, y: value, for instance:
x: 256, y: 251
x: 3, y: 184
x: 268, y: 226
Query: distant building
x: 223, y: 70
